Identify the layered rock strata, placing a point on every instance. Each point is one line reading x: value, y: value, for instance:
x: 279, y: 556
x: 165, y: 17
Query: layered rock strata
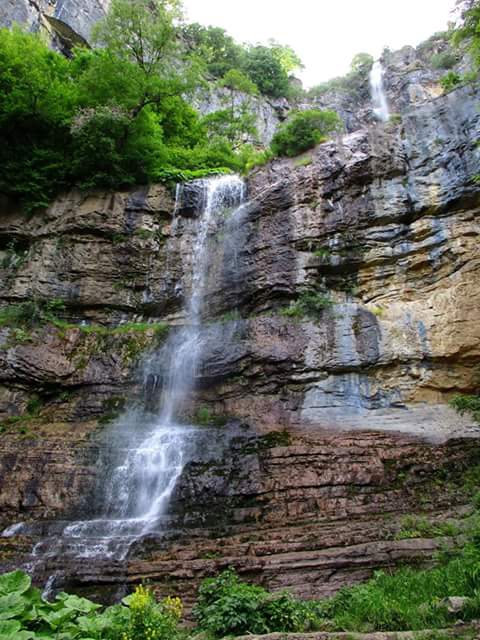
x: 342, y: 318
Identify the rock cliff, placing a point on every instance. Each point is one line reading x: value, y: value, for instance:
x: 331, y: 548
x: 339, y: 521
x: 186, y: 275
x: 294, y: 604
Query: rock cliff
x: 66, y: 22
x: 343, y: 316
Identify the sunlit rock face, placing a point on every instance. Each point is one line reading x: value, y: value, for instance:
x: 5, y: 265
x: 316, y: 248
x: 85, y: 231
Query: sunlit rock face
x: 332, y: 423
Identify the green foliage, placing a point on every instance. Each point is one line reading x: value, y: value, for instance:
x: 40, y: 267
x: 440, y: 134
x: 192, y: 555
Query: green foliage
x: 118, y: 115
x: 25, y: 615
x: 467, y: 404
x: 362, y: 63
x: 37, y: 100
x: 286, y: 56
x: 355, y: 82
x: 409, y: 598
x: 149, y: 620
x: 303, y: 131
x: 304, y: 162
x: 421, y: 527
x: 30, y: 314
x: 450, y: 81
x: 264, y: 67
x: 267, y: 67
x: 228, y: 606
x: 309, y: 304
x: 238, y: 81
x: 236, y: 122
x: 444, y: 60
x: 218, y: 51
x: 469, y: 29
x: 204, y: 416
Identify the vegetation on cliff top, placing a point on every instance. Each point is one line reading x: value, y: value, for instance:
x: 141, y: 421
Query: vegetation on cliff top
x: 120, y: 114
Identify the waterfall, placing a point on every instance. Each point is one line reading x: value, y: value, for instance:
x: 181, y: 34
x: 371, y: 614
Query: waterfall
x: 152, y: 450
x: 140, y: 487
x: 379, y: 98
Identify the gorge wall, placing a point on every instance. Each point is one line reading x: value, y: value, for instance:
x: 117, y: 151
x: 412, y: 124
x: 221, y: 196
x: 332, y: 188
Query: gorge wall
x: 330, y: 417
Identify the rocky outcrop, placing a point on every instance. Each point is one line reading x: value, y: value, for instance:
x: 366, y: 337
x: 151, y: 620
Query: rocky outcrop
x: 66, y: 22
x: 342, y: 316
x: 411, y: 79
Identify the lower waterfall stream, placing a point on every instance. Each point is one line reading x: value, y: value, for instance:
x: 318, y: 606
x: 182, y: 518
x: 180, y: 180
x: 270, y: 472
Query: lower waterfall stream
x: 154, y: 447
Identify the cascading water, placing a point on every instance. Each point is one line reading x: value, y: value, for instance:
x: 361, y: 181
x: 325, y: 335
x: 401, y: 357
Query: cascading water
x: 379, y: 98
x: 151, y: 452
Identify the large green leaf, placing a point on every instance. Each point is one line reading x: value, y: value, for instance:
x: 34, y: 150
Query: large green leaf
x: 75, y: 603
x: 12, y: 605
x: 14, y: 582
x: 56, y: 619
x: 19, y: 635
x: 9, y: 626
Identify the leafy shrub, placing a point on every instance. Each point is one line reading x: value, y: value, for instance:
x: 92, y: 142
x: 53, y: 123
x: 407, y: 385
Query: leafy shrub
x: 228, y: 606
x: 204, y: 416
x: 354, y: 83
x: 119, y: 115
x: 445, y: 60
x: 418, y: 527
x: 31, y: 313
x: 409, y: 598
x: 265, y: 69
x: 149, y: 620
x: 309, y: 304
x: 467, y: 404
x: 450, y: 81
x: 25, y: 615
x: 303, y: 131
x: 218, y: 51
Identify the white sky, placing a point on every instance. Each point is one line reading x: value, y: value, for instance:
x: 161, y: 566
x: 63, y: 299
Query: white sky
x: 326, y: 33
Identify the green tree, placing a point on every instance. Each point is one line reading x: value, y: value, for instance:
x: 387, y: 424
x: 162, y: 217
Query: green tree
x: 130, y: 93
x: 305, y: 130
x: 362, y: 63
x: 288, y: 58
x: 37, y: 100
x: 140, y: 38
x: 264, y: 68
x: 469, y: 28
x: 235, y: 123
x: 219, y: 51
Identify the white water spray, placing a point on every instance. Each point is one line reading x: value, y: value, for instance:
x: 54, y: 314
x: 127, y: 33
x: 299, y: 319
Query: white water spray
x: 379, y: 98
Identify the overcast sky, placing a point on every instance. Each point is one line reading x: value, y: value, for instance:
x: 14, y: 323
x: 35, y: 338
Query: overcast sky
x: 326, y: 33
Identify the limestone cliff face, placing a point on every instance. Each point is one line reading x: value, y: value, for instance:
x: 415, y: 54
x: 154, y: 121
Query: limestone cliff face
x: 411, y: 79
x: 335, y: 421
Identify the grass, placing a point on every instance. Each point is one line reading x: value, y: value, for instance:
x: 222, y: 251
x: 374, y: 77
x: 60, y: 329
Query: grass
x: 303, y: 162
x: 467, y: 404
x: 410, y: 599
x: 421, y: 527
x: 309, y: 304
x: 323, y: 252
x: 31, y: 314
x: 22, y: 422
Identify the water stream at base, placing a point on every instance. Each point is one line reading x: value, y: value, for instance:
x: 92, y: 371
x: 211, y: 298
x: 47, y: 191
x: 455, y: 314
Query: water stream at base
x: 379, y: 97
x: 151, y: 450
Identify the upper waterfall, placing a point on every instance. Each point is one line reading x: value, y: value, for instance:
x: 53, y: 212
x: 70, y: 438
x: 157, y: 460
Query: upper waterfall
x: 379, y: 98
